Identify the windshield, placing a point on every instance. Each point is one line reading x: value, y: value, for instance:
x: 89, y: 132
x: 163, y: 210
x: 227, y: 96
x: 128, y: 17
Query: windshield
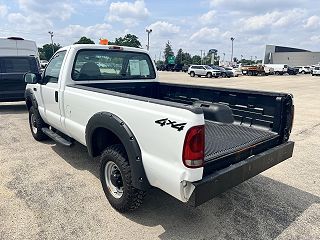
x: 111, y: 65
x: 208, y: 67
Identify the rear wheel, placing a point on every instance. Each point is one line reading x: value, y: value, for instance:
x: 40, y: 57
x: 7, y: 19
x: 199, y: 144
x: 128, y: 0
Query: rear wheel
x: 277, y: 73
x: 250, y: 73
x: 192, y: 74
x: 303, y: 72
x: 209, y: 75
x: 116, y: 180
x: 36, y: 124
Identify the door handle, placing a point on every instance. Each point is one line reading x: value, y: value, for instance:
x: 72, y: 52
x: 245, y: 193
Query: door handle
x: 56, y: 96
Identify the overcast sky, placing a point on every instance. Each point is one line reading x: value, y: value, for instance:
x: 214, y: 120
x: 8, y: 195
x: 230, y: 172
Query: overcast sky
x: 188, y: 24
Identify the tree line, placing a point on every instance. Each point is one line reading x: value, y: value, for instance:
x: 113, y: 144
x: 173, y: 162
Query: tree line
x: 128, y: 40
x: 131, y: 40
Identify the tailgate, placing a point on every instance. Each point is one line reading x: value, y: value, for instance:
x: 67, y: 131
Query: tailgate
x: 219, y: 181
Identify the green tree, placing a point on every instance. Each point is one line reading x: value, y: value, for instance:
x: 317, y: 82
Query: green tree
x: 196, y: 59
x: 46, y: 51
x: 41, y: 54
x: 179, y: 56
x: 247, y: 62
x: 168, y: 52
x: 128, y: 40
x: 84, y: 40
x: 186, y: 59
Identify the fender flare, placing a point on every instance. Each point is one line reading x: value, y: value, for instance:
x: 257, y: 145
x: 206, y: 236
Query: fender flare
x: 29, y: 96
x: 118, y: 127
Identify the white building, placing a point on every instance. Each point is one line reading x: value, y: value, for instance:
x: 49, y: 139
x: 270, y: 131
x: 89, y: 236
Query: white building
x: 290, y: 56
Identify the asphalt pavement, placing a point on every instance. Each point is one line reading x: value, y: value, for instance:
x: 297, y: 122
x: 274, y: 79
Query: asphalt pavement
x: 48, y: 191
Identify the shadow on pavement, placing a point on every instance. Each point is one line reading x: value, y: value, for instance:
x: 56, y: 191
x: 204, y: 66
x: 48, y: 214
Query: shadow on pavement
x: 260, y: 208
x: 13, y: 108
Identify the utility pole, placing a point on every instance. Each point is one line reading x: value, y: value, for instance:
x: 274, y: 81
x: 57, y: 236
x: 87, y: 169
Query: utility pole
x: 160, y: 56
x: 51, y: 35
x: 232, y: 39
x: 255, y: 57
x: 148, y: 32
x: 224, y: 54
x: 201, y: 56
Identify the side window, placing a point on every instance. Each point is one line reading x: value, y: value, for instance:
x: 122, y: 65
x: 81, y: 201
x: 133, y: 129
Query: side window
x: 17, y: 65
x: 203, y: 68
x: 53, y: 69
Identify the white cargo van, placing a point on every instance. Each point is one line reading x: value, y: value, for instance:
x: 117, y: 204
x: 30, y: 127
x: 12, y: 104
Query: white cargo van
x: 16, y: 46
x: 279, y: 69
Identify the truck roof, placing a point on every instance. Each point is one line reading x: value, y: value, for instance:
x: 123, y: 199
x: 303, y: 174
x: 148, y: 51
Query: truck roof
x: 97, y: 46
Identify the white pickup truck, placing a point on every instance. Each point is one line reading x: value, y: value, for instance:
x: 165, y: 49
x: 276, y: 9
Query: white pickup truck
x: 192, y: 142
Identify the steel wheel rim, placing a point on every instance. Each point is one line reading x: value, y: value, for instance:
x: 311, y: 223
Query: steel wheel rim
x: 33, y: 124
x: 108, y: 171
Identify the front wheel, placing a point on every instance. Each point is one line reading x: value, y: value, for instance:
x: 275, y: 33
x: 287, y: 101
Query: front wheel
x: 209, y: 75
x: 192, y: 74
x: 116, y: 180
x: 36, y: 124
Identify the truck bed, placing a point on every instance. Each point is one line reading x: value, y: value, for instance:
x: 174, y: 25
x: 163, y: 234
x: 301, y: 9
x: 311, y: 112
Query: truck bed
x: 223, y: 139
x: 259, y: 118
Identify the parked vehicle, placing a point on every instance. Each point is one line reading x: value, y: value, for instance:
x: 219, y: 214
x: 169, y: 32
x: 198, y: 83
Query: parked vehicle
x: 192, y: 142
x: 12, y: 69
x: 161, y: 67
x: 203, y: 70
x: 255, y: 70
x: 316, y: 71
x: 16, y: 46
x: 177, y: 68
x: 223, y: 72
x: 304, y: 69
x: 279, y: 69
x: 292, y: 71
x: 236, y: 72
x: 43, y: 63
x: 185, y: 68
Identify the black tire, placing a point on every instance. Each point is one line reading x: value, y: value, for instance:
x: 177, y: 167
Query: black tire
x: 198, y: 75
x: 250, y: 73
x: 223, y: 75
x: 277, y: 73
x: 131, y: 197
x: 192, y: 74
x: 303, y: 72
x: 209, y: 75
x: 216, y: 76
x: 36, y: 124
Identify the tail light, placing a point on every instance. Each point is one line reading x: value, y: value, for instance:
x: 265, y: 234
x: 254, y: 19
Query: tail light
x: 193, y: 148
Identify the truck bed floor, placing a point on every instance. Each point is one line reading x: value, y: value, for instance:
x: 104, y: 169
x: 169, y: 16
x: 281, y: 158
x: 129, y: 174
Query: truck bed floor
x: 223, y: 139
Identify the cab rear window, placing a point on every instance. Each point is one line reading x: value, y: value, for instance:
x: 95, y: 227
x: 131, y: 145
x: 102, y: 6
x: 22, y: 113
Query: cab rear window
x: 112, y: 65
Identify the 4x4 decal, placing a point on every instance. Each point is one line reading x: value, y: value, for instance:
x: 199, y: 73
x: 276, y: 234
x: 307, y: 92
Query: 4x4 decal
x: 173, y: 124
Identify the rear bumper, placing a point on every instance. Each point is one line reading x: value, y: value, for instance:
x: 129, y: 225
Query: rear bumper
x: 218, y: 182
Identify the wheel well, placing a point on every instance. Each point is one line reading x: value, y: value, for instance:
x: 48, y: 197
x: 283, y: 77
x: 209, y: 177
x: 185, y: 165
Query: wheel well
x: 29, y: 103
x: 101, y: 139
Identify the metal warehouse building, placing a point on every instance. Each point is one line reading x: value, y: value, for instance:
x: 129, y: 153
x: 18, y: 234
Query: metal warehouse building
x: 290, y: 56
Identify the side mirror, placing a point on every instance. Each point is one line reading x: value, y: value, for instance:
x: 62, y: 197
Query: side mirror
x: 32, y: 78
